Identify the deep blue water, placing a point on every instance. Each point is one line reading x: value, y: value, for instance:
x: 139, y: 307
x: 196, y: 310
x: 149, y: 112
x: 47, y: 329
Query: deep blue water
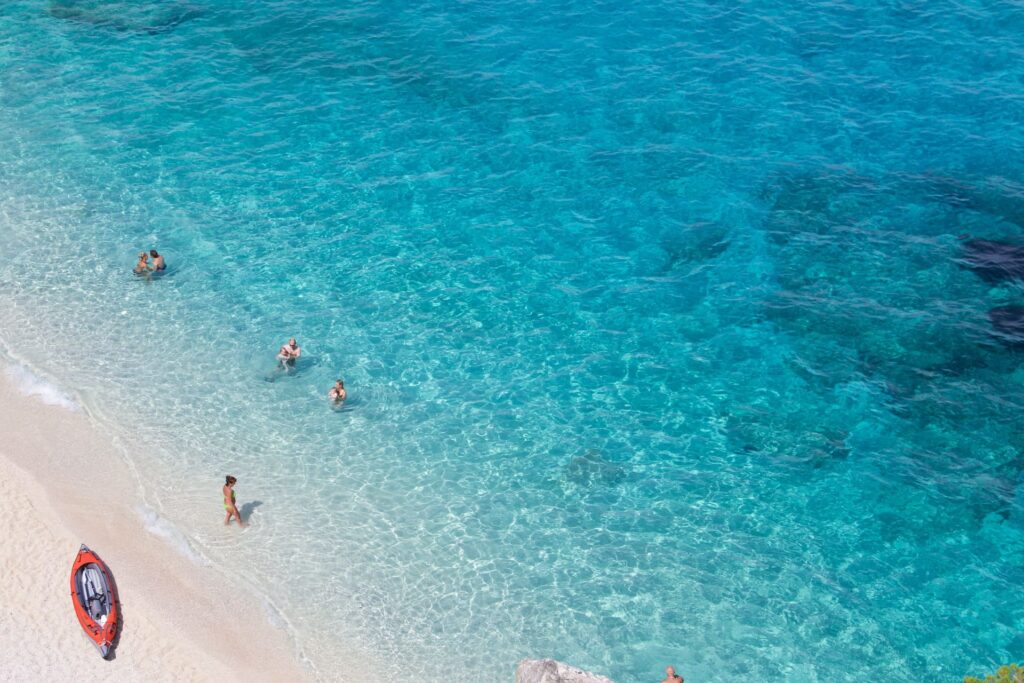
x: 654, y: 318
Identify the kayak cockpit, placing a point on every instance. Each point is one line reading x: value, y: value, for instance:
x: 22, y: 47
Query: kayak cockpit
x: 93, y: 592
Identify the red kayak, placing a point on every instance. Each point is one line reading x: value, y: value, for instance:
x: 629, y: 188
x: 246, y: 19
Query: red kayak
x: 95, y: 600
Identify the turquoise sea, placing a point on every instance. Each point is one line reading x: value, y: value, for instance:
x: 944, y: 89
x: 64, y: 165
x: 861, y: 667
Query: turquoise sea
x: 658, y: 336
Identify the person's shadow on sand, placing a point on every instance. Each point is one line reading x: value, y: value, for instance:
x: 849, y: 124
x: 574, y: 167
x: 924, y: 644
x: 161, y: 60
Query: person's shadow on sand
x: 248, y: 508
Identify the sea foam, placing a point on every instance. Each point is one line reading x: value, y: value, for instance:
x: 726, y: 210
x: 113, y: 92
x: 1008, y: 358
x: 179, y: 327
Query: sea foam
x: 158, y: 526
x: 30, y: 384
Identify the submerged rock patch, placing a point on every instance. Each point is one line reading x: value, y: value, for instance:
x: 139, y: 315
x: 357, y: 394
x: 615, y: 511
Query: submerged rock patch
x: 148, y: 19
x: 1008, y: 323
x: 994, y: 261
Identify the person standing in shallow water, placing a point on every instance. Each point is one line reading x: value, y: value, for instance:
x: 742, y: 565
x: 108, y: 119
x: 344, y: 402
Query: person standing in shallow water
x: 229, y: 501
x: 158, y: 261
x: 670, y: 675
x: 142, y: 267
x: 289, y: 353
x: 337, y: 394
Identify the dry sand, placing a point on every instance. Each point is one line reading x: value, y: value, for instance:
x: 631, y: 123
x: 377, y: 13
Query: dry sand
x: 181, y: 621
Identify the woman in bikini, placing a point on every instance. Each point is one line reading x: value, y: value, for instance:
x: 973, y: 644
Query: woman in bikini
x: 229, y: 501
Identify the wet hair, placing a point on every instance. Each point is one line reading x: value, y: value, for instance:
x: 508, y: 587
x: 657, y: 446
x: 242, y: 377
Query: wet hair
x: 142, y: 254
x: 340, y: 382
x: 228, y: 480
x: 152, y: 252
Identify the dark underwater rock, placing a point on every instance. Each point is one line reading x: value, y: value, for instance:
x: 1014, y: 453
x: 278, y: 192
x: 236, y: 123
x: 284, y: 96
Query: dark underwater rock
x: 593, y: 469
x: 123, y: 18
x: 996, y: 196
x: 994, y: 261
x: 1008, y: 323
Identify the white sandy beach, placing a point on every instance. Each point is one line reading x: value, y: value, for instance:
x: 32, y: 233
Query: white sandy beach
x: 62, y: 484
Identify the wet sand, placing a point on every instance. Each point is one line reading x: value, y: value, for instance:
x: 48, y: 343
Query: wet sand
x: 62, y: 483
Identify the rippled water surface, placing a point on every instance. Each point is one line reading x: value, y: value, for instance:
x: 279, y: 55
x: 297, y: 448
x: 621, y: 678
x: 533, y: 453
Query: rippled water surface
x: 655, y: 318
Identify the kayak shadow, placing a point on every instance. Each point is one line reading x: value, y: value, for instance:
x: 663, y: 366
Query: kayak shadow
x: 112, y: 652
x: 248, y: 508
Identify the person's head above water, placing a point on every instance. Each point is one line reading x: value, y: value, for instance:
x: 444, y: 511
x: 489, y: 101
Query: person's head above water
x: 229, y: 480
x: 142, y: 256
x: 339, y: 383
x: 670, y: 674
x: 152, y: 252
x: 292, y: 342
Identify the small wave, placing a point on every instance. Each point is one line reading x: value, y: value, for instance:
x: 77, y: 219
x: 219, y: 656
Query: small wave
x: 31, y: 385
x: 274, y: 617
x: 158, y: 526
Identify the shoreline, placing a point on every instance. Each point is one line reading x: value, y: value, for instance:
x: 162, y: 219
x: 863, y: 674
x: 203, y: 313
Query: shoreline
x: 63, y: 483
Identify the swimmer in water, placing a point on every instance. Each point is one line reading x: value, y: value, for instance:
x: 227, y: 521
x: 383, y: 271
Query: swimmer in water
x: 289, y: 353
x: 158, y: 261
x: 229, y: 501
x: 142, y: 267
x: 671, y: 676
x: 337, y: 393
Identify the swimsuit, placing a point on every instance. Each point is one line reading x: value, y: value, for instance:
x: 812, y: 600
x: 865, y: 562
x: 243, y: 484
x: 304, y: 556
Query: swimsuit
x: 228, y: 507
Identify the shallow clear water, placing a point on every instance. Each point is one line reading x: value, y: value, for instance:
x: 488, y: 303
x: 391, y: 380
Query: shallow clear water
x: 653, y: 318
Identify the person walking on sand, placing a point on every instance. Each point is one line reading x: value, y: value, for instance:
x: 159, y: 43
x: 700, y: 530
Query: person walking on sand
x: 337, y: 393
x: 229, y: 501
x: 158, y: 261
x: 142, y: 267
x: 288, y: 353
x: 670, y: 675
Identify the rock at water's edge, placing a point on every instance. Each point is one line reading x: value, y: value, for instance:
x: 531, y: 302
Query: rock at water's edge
x: 550, y: 671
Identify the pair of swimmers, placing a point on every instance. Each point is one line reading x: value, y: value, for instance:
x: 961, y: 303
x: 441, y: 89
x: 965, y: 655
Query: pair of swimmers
x: 291, y: 352
x: 144, y: 267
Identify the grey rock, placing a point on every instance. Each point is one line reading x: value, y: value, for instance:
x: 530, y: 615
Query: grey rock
x: 550, y: 671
